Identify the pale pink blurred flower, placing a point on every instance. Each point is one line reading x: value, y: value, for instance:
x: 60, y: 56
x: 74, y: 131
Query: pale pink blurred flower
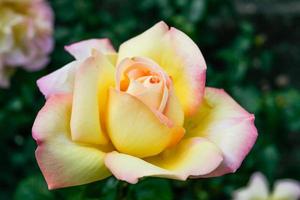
x: 258, y: 189
x: 26, y: 28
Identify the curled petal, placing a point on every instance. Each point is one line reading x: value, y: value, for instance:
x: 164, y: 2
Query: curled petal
x: 228, y: 125
x: 256, y: 189
x: 286, y: 189
x: 63, y: 162
x: 83, y: 49
x: 135, y: 129
x: 174, y: 113
x: 147, y: 92
x: 93, y: 78
x: 129, y: 168
x: 178, y: 55
x: 173, y: 110
x: 193, y: 156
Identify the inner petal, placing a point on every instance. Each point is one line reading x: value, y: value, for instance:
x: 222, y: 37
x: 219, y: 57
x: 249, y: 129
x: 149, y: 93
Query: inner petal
x: 144, y: 79
x: 148, y: 89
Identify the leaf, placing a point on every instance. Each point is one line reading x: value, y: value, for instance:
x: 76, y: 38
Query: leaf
x: 33, y: 188
x: 151, y: 188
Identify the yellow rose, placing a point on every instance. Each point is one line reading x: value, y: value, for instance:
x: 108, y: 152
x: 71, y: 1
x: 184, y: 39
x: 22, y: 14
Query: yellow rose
x: 143, y: 111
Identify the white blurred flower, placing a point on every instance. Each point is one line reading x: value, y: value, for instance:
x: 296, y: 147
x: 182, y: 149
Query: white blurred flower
x: 258, y: 189
x: 26, y: 28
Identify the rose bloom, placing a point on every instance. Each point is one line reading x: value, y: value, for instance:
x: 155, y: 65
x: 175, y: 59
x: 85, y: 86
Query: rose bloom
x: 25, y: 36
x: 257, y: 189
x: 143, y: 111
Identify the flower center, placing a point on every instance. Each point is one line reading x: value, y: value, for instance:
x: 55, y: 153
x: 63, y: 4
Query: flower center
x: 154, y: 79
x: 144, y: 79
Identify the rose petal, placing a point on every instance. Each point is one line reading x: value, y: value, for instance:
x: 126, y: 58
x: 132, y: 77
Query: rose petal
x: 83, y: 49
x: 93, y: 78
x: 229, y: 126
x: 145, y: 44
x: 173, y: 110
x: 37, y: 64
x: 150, y: 94
x: 193, y: 156
x: 134, y: 128
x: 6, y: 41
x: 286, y: 189
x: 178, y: 55
x: 63, y: 162
x: 57, y: 110
x: 60, y: 81
x: 256, y: 189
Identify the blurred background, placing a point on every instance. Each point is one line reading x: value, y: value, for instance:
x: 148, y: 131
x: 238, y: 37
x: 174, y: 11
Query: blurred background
x: 252, y: 50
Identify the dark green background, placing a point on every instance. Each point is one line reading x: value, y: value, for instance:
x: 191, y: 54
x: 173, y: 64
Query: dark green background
x: 252, y: 51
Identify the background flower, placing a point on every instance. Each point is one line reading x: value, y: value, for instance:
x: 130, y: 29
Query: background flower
x: 258, y: 188
x: 25, y: 36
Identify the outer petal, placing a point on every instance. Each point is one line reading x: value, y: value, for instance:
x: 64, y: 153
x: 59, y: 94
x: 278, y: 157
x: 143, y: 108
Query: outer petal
x: 57, y: 110
x: 60, y: 81
x: 257, y: 189
x: 83, y: 49
x: 286, y: 189
x: 144, y: 45
x: 229, y: 126
x: 135, y: 129
x: 193, y: 156
x: 178, y: 55
x: 93, y: 79
x: 64, y: 163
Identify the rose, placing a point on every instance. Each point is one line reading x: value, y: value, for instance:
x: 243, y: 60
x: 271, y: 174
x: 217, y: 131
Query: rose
x: 286, y: 189
x: 25, y: 36
x: 143, y: 111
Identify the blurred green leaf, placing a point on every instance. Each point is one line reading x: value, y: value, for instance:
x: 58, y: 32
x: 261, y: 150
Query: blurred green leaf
x: 151, y: 188
x: 33, y: 188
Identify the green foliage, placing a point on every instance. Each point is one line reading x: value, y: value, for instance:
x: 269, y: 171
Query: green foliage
x: 245, y: 56
x: 152, y: 189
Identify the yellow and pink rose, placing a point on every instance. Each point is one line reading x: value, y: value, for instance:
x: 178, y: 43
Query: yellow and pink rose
x: 142, y: 111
